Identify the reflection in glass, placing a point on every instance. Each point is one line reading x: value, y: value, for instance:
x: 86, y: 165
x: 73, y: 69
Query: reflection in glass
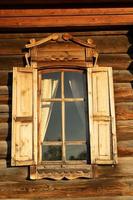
x: 76, y: 152
x: 51, y: 153
x: 51, y: 85
x: 51, y: 121
x: 74, y: 84
x: 75, y: 121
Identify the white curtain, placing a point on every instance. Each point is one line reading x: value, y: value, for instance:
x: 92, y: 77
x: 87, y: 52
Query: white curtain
x: 49, y: 89
x: 76, y: 84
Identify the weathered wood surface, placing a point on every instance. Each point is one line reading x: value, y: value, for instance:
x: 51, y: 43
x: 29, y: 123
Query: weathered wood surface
x: 8, y: 62
x: 5, y: 131
x: 110, y: 43
x: 66, y: 21
x: 123, y: 169
x: 124, y: 130
x: 115, y: 51
x: 116, y: 61
x: 84, y: 188
x: 123, y: 92
x: 67, y: 12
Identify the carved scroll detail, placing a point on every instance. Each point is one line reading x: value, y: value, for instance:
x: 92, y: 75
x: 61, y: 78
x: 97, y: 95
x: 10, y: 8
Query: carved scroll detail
x: 58, y: 173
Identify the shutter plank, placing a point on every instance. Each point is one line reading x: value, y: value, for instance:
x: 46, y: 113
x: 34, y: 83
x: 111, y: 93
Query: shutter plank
x: 102, y: 116
x: 23, y: 120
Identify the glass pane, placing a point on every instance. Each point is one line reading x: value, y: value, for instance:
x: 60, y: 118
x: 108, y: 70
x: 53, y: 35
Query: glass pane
x: 51, y: 153
x: 76, y: 152
x: 51, y: 85
x: 51, y: 121
x: 75, y: 121
x: 75, y: 84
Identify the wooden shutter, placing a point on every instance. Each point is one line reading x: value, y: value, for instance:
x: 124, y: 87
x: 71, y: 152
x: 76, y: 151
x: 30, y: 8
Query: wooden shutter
x: 24, y: 116
x: 102, y: 116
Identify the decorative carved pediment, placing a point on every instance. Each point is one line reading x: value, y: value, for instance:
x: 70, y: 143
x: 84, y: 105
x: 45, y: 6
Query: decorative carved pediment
x: 61, y: 48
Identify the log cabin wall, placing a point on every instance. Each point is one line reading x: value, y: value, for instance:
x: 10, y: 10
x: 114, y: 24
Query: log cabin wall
x: 115, y: 47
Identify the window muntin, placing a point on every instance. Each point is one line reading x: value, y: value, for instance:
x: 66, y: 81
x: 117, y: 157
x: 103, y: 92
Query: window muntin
x: 65, y: 124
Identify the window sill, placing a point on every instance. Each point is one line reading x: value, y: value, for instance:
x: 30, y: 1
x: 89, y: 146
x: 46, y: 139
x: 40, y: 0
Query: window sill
x: 61, y: 172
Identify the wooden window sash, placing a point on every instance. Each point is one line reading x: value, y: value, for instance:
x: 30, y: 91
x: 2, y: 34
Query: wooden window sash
x: 62, y: 100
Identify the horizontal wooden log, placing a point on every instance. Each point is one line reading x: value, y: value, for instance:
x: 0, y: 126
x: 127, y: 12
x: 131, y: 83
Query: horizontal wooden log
x: 116, y: 61
x: 80, y: 188
x: 66, y: 21
x: 12, y: 46
x: 6, y: 78
x: 122, y: 76
x: 5, y: 131
x: 124, y: 130
x: 125, y: 148
x: 5, y: 117
x: 6, y: 90
x: 108, y: 44
x: 37, y: 36
x: 124, y: 111
x: 5, y: 149
x: 67, y: 12
x: 122, y: 169
x: 5, y: 99
x: 9, y: 173
x: 5, y: 108
x: 123, y: 92
x: 8, y: 62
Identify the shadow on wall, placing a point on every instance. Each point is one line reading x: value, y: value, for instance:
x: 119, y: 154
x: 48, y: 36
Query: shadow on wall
x: 130, y: 52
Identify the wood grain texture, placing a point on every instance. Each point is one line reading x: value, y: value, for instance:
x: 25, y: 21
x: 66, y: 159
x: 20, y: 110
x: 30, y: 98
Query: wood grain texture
x: 66, y: 21
x: 124, y: 111
x: 84, y: 188
x: 67, y: 12
x: 124, y: 130
x: 123, y: 169
x: 110, y: 43
x: 123, y: 92
x: 110, y: 181
x: 5, y: 131
x: 8, y: 62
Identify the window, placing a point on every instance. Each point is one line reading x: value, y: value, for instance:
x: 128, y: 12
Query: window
x: 63, y: 120
x: 64, y: 117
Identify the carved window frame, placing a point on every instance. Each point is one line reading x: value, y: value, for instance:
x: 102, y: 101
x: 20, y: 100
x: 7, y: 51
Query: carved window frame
x: 87, y: 63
